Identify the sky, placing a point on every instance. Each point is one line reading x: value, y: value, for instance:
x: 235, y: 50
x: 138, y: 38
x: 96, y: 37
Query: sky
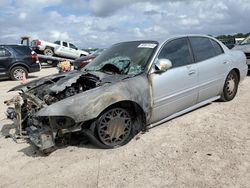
x: 101, y: 23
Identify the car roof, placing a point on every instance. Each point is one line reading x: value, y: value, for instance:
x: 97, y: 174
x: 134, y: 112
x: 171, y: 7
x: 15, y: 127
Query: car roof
x: 170, y: 37
x: 13, y: 45
x: 162, y: 41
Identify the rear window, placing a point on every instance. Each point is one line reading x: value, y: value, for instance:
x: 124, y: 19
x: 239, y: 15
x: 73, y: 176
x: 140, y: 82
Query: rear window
x: 217, y: 47
x: 22, y: 50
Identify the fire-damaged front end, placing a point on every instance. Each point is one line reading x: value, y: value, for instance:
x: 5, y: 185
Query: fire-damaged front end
x: 108, y: 101
x: 49, y: 108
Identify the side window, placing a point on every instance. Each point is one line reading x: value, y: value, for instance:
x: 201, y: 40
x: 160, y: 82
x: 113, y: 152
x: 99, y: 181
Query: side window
x: 65, y: 44
x: 72, y: 46
x: 202, y: 48
x: 4, y: 53
x: 177, y: 51
x: 217, y: 47
x: 57, y: 42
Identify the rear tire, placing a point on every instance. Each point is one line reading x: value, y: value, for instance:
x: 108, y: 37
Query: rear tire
x: 48, y: 52
x: 16, y: 73
x: 230, y: 87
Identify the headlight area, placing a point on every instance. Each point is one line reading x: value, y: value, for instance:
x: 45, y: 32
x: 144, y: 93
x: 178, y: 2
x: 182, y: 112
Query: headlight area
x: 44, y: 131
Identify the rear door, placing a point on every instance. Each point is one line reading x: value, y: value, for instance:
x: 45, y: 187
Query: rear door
x: 75, y: 52
x: 212, y: 66
x: 5, y: 61
x: 175, y: 89
x: 63, y: 50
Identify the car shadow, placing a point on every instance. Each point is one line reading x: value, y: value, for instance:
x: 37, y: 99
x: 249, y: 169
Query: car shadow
x: 6, y: 130
x: 32, y: 76
x: 33, y: 151
x: 5, y: 79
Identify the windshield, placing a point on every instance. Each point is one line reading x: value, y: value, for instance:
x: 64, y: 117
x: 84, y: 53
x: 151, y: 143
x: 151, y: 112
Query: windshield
x: 246, y: 40
x: 124, y: 58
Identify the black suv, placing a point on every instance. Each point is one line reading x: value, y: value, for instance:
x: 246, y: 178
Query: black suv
x: 16, y: 60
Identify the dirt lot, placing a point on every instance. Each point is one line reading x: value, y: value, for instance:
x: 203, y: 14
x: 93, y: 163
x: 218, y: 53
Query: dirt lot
x: 209, y: 147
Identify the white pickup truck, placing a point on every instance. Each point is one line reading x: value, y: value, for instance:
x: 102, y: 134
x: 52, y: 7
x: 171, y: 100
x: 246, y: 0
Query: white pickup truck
x: 58, y: 48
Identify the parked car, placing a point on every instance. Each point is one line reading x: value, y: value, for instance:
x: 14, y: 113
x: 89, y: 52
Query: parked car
x: 245, y: 47
x: 59, y: 48
x: 230, y: 43
x: 84, y: 60
x: 130, y: 87
x: 16, y: 60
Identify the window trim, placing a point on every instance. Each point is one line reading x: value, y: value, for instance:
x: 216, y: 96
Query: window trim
x: 74, y: 47
x: 218, y: 44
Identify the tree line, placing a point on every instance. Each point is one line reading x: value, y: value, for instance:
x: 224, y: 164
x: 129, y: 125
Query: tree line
x: 232, y: 37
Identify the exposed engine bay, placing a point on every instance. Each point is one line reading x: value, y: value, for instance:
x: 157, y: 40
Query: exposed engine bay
x: 35, y: 96
x: 44, y: 131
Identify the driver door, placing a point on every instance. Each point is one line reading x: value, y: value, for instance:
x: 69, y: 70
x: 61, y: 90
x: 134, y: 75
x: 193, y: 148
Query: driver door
x: 175, y: 89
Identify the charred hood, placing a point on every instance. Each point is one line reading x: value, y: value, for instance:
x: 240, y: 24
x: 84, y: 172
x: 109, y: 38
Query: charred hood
x: 56, y: 87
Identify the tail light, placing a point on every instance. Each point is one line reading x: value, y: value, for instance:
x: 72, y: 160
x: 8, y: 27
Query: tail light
x: 34, y: 56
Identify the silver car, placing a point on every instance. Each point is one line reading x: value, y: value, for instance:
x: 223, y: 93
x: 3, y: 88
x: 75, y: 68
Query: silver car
x: 130, y: 87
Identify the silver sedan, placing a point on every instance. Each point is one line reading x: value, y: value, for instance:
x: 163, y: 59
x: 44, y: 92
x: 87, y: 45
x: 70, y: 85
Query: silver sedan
x: 130, y: 87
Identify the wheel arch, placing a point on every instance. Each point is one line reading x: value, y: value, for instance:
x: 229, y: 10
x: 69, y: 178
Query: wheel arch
x: 20, y: 64
x: 49, y: 47
x: 139, y: 114
x: 128, y: 105
x: 237, y: 72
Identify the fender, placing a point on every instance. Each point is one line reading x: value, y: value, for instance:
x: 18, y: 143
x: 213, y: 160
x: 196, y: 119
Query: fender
x: 20, y: 63
x: 89, y: 104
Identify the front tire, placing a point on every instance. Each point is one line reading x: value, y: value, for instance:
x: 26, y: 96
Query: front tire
x: 230, y: 87
x: 114, y: 127
x: 16, y: 73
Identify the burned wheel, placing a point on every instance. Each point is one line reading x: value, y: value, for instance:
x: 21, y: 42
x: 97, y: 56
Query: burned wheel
x: 114, y: 127
x: 230, y: 86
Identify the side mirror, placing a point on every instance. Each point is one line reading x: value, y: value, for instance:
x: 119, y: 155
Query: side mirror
x: 162, y: 65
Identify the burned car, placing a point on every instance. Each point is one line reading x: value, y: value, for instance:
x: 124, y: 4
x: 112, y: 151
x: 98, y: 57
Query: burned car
x: 128, y: 88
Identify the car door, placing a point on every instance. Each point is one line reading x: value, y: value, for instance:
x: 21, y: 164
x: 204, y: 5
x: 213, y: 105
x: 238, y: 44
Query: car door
x: 5, y: 61
x: 212, y: 66
x: 75, y: 53
x: 64, y: 50
x: 175, y: 89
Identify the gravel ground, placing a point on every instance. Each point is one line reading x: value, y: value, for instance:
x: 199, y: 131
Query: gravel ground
x: 209, y: 147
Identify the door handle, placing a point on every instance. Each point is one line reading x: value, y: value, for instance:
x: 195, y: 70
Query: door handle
x: 225, y: 62
x: 191, y: 72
